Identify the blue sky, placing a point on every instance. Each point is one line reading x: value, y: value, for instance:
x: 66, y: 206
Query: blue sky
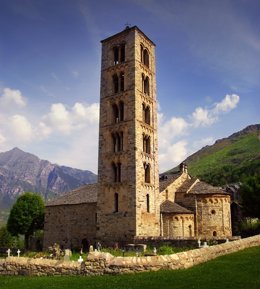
x: 208, y: 73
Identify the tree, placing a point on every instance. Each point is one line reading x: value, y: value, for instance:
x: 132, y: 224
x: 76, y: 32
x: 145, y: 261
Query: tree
x: 6, y: 239
x: 26, y: 216
x: 250, y: 194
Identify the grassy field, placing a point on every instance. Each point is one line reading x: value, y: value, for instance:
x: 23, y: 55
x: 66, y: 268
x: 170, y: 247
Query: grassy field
x: 234, y: 271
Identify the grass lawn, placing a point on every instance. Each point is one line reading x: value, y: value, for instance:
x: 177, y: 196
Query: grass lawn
x: 234, y: 271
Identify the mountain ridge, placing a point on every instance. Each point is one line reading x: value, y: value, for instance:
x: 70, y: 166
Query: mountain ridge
x: 229, y: 159
x: 22, y: 171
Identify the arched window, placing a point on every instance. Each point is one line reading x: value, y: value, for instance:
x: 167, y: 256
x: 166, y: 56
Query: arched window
x: 117, y: 141
x: 116, y: 167
x: 147, y: 203
x: 141, y: 52
x: 146, y: 144
x: 115, y: 113
x: 116, y: 203
x: 115, y: 83
x: 122, y: 81
x: 121, y: 111
x: 146, y: 57
x: 122, y: 53
x: 119, y: 53
x: 116, y: 54
x: 146, y: 114
x: 146, y: 86
x: 147, y: 173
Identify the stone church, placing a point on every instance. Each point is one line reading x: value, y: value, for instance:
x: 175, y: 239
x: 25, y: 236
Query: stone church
x: 131, y: 201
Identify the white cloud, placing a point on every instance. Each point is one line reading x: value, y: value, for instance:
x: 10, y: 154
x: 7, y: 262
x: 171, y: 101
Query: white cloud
x: 11, y: 97
x: 206, y: 117
x: 202, y: 117
x: 172, y: 150
x: 65, y: 120
x: 173, y: 155
x: 20, y: 128
x: 168, y: 130
x: 228, y: 103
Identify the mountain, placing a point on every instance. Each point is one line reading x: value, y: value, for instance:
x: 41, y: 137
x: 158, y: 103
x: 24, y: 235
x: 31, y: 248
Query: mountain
x: 21, y: 171
x: 229, y: 159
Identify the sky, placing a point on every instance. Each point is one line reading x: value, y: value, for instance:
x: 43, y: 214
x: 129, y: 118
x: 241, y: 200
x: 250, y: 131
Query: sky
x: 207, y: 73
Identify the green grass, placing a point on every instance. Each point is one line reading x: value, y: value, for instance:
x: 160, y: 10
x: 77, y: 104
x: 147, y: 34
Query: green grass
x: 234, y: 271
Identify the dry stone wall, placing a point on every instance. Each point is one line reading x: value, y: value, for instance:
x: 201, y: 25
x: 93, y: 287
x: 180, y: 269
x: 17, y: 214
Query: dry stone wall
x: 99, y: 263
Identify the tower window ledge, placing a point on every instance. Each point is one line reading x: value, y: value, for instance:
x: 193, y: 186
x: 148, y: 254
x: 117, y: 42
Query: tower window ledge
x: 146, y: 97
x: 148, y: 185
x: 146, y: 68
x: 115, y: 65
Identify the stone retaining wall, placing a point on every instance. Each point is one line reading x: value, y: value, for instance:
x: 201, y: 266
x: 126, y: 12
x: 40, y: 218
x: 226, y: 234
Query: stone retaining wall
x: 99, y: 263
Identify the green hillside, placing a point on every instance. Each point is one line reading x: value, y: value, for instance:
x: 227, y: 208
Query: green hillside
x: 228, y: 160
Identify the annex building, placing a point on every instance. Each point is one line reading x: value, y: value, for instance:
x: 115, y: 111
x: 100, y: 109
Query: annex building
x: 131, y: 201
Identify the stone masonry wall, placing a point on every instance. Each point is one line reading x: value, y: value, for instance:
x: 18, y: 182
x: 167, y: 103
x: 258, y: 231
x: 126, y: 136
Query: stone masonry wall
x: 69, y: 225
x: 104, y: 263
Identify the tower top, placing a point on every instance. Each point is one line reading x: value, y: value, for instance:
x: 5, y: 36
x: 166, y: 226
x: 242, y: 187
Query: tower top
x: 127, y: 30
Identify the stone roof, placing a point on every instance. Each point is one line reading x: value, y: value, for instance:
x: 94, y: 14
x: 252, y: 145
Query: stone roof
x: 170, y: 207
x: 81, y: 195
x: 166, y: 180
x: 186, y: 185
x: 204, y: 188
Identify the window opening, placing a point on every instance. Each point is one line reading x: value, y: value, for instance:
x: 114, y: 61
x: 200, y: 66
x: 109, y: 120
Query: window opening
x: 116, y: 172
x: 121, y: 111
x: 146, y: 88
x: 115, y: 113
x: 122, y: 81
x: 148, y: 203
x: 116, y: 55
x: 115, y: 83
x: 146, y: 144
x: 146, y: 57
x: 116, y: 207
x: 146, y: 173
x: 122, y: 53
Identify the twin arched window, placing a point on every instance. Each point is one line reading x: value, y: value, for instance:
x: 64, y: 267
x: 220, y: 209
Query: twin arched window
x: 119, y: 53
x: 118, y: 112
x: 146, y: 144
x: 118, y: 138
x: 144, y: 56
x: 116, y: 168
x: 146, y: 114
x: 145, y: 84
x: 118, y: 82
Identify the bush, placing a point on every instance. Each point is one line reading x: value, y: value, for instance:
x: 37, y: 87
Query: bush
x: 250, y: 227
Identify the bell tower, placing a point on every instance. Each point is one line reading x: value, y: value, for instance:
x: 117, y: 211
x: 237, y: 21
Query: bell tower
x: 128, y: 197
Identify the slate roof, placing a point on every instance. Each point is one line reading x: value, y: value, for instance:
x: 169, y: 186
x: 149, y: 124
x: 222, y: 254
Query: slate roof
x: 204, y: 188
x: 186, y: 185
x: 166, y: 180
x: 81, y: 195
x: 170, y: 207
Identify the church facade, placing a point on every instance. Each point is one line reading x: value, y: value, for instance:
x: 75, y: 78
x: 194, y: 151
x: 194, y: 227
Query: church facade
x: 130, y: 201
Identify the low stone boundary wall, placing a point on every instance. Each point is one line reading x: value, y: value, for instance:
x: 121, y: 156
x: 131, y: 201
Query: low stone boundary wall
x: 99, y: 263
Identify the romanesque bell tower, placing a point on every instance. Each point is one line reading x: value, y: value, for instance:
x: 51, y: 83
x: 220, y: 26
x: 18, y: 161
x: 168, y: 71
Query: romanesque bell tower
x: 128, y: 177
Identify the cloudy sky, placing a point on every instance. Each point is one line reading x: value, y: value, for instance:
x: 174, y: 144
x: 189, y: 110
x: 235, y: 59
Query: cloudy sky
x: 208, y: 73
